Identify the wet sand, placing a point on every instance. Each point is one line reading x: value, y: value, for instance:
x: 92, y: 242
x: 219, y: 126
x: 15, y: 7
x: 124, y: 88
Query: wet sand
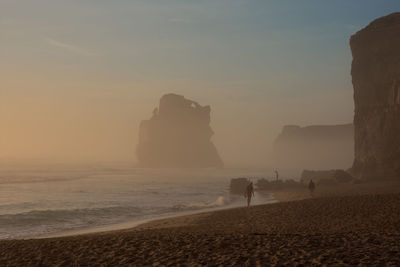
x: 339, y: 228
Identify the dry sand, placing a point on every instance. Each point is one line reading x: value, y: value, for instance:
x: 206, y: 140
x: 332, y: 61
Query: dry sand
x: 349, y: 227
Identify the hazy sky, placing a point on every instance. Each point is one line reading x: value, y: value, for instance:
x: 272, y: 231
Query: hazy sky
x: 78, y: 76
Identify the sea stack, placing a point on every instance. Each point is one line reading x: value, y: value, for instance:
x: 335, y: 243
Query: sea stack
x: 376, y: 80
x: 178, y: 135
x: 317, y: 147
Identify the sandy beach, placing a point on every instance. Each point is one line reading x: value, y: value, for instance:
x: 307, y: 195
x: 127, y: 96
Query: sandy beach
x: 357, y: 226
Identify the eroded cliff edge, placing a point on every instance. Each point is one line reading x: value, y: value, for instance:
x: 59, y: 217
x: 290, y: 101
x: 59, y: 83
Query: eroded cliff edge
x: 178, y: 135
x: 376, y: 80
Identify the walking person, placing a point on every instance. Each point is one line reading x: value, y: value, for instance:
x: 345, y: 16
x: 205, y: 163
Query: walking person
x: 311, y: 187
x: 249, y: 193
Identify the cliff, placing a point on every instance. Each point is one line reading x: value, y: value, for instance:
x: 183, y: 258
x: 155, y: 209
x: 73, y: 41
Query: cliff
x: 376, y: 80
x: 177, y: 135
x: 314, y: 147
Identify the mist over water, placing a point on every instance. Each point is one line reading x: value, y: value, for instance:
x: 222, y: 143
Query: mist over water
x: 80, y: 83
x: 35, y: 202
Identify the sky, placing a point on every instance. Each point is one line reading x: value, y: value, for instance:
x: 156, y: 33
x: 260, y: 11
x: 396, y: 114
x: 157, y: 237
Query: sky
x: 78, y: 76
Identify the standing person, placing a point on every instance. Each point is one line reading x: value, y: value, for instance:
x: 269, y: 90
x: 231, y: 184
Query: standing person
x: 249, y: 193
x: 277, y: 175
x: 311, y: 187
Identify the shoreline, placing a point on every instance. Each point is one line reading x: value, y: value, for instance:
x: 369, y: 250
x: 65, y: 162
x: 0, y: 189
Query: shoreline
x: 126, y: 226
x: 278, y: 196
x: 117, y: 227
x: 332, y: 230
x: 357, y: 225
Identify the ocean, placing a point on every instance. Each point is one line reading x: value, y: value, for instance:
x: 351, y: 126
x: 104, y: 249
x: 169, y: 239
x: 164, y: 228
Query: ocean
x: 38, y: 201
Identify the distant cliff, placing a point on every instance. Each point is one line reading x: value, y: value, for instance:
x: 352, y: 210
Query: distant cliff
x: 314, y: 147
x: 177, y: 135
x: 376, y: 80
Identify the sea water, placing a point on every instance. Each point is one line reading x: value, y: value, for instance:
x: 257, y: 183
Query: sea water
x: 42, y: 201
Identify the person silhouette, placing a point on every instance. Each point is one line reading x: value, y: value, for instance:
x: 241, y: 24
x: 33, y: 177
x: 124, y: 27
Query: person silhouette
x: 311, y: 187
x: 249, y: 193
x: 277, y: 175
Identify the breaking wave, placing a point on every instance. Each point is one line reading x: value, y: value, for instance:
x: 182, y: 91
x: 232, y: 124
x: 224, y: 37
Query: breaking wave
x: 46, y: 221
x: 37, y: 203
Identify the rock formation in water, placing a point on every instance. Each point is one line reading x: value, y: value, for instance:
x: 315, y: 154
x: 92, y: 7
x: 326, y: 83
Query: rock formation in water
x: 314, y: 147
x: 178, y: 136
x: 238, y: 186
x: 326, y: 177
x: 376, y: 80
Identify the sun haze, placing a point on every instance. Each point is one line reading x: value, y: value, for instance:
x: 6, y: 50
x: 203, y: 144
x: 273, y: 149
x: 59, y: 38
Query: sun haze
x: 78, y: 77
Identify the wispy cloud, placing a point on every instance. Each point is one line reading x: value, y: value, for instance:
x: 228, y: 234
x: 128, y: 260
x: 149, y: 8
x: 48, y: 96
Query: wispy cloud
x: 70, y: 48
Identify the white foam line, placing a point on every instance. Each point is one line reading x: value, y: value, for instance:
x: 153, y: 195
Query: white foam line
x: 132, y: 224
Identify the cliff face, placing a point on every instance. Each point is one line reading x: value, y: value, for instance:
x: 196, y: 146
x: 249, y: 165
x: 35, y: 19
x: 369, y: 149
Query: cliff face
x: 177, y: 135
x: 314, y: 147
x: 376, y: 81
